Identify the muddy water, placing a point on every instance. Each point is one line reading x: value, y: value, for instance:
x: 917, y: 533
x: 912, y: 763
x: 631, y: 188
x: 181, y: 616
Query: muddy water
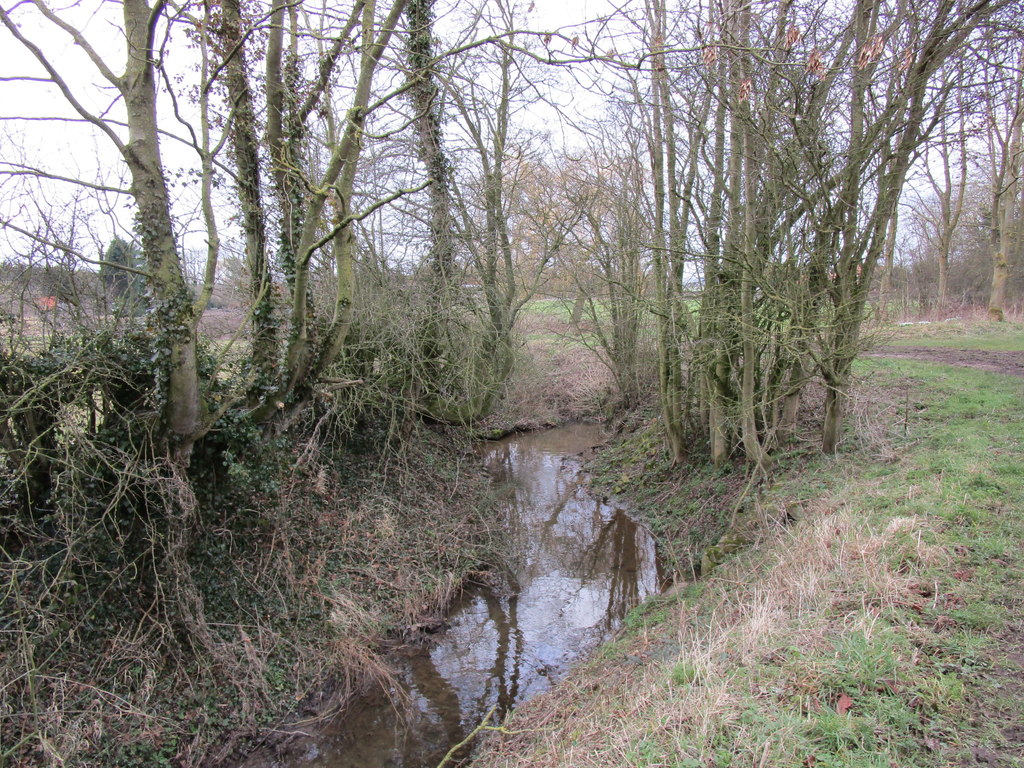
x: 578, y: 566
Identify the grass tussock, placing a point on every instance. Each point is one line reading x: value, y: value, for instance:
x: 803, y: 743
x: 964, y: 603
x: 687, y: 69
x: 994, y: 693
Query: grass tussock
x: 880, y: 628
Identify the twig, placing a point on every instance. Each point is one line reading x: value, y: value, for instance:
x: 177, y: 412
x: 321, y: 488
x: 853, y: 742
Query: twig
x: 472, y: 734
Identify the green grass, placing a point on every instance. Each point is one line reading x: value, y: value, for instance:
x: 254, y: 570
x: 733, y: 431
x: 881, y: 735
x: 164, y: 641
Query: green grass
x: 557, y: 308
x: 957, y: 334
x: 960, y: 473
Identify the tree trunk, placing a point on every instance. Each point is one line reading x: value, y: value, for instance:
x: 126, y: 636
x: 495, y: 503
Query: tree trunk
x: 1000, y: 274
x: 663, y: 273
x: 718, y: 421
x: 885, y: 288
x: 835, y: 401
x: 423, y: 94
x: 310, y: 350
x: 744, y: 233
x: 245, y: 152
x: 578, y: 306
x: 791, y: 403
x: 943, y: 287
x: 1006, y: 184
x: 713, y: 316
x: 175, y: 323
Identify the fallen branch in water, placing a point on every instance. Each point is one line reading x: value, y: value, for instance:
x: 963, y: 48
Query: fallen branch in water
x: 482, y: 727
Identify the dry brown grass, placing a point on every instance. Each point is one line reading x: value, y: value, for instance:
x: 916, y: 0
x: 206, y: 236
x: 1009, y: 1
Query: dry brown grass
x: 694, y: 683
x: 555, y: 383
x: 295, y: 590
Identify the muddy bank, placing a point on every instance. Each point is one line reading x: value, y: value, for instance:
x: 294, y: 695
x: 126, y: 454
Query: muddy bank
x: 1010, y: 363
x: 358, y: 541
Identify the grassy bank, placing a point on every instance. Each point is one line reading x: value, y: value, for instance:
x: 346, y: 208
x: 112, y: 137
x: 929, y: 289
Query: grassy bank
x: 959, y: 333
x: 874, y: 620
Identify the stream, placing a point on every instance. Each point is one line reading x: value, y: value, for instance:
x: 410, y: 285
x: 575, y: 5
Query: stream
x: 579, y: 565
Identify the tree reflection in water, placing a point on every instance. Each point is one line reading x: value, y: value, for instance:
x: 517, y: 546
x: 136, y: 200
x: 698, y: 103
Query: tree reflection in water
x: 580, y: 565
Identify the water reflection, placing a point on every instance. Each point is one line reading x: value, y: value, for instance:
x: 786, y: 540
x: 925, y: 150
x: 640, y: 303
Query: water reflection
x: 580, y: 564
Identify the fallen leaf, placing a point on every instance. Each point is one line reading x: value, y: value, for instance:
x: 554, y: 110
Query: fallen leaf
x: 844, y: 704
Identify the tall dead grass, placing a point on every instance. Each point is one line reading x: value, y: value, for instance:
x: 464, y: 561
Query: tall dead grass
x: 681, y: 690
x: 553, y: 384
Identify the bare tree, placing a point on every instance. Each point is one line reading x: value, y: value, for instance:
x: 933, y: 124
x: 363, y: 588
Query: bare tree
x: 316, y: 208
x: 801, y: 124
x: 608, y: 262
x: 942, y: 220
x: 1004, y: 106
x: 491, y: 194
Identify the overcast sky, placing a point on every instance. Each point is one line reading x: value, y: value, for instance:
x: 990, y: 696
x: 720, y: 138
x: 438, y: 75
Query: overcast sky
x: 66, y: 146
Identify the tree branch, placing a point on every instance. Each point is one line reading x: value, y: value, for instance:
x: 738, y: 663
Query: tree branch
x: 81, y: 42
x: 27, y: 170
x: 57, y: 80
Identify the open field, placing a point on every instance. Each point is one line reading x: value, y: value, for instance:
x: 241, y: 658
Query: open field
x: 962, y: 334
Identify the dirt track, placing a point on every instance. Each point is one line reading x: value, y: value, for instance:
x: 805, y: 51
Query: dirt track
x: 1011, y: 363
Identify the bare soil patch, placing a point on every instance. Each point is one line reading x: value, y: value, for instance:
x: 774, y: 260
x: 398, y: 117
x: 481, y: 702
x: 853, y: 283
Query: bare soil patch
x: 1010, y: 363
